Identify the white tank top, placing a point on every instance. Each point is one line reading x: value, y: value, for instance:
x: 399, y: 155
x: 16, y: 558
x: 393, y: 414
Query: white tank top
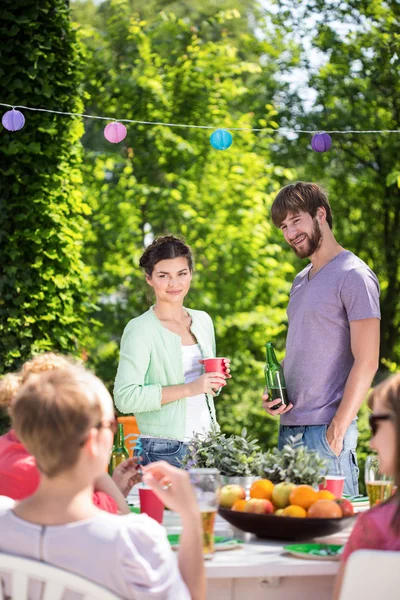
x: 198, y: 419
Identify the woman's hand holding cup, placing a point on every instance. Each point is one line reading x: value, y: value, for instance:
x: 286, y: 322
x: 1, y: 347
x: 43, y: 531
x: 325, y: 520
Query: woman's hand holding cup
x: 220, y: 367
x: 208, y: 383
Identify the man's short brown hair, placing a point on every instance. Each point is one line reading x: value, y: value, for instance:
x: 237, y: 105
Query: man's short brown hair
x: 300, y: 196
x: 53, y: 412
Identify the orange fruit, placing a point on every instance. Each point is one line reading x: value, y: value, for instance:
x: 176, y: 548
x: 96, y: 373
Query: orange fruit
x: 324, y: 509
x: 239, y: 505
x: 325, y: 495
x: 304, y: 496
x: 262, y: 489
x: 294, y: 511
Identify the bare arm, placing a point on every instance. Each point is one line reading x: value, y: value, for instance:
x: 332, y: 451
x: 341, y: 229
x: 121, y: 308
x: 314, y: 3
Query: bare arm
x: 173, y: 487
x: 106, y: 484
x: 364, y: 339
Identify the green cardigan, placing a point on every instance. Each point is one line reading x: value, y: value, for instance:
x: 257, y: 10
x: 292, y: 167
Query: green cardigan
x: 150, y: 358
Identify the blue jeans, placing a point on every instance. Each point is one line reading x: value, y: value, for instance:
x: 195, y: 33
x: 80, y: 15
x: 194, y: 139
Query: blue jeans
x: 314, y: 437
x: 172, y: 451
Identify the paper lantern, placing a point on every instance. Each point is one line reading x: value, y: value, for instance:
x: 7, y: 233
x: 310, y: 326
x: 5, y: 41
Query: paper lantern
x: 13, y: 120
x: 321, y: 142
x: 221, y: 139
x: 115, y: 132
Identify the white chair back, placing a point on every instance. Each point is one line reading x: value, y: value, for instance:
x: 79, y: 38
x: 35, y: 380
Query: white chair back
x: 372, y: 574
x: 55, y: 581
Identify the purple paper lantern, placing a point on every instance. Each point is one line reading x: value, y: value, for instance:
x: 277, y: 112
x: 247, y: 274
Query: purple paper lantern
x: 321, y: 142
x: 13, y: 120
x: 115, y: 132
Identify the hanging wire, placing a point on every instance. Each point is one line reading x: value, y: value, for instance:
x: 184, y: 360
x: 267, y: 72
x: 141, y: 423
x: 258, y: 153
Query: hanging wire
x: 189, y: 126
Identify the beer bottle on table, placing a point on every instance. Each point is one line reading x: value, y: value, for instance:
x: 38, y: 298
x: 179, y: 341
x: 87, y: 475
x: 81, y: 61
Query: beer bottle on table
x: 274, y: 378
x: 119, y: 451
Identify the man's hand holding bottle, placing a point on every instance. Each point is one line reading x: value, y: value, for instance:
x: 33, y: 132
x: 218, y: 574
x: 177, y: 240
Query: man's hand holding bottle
x: 268, y: 405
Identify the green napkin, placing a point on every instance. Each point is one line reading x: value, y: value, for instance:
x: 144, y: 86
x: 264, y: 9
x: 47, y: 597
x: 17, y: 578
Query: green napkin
x: 315, y: 549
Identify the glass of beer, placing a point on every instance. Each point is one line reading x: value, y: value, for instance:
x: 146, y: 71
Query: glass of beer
x: 207, y: 484
x: 379, y: 486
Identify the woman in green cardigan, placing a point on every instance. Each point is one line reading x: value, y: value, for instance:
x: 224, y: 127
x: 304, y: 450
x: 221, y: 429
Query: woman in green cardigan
x: 160, y: 377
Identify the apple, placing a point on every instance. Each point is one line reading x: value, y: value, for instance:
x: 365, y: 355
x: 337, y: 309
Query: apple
x: 279, y: 512
x: 259, y: 506
x: 229, y: 494
x: 281, y: 493
x: 346, y: 507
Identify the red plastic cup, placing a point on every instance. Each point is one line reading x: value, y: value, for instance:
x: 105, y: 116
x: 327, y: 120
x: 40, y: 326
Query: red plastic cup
x: 334, y: 484
x: 215, y: 365
x: 150, y: 504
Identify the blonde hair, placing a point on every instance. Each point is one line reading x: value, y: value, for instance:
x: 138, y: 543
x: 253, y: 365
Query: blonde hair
x: 11, y: 383
x: 52, y: 413
x: 44, y: 362
x: 9, y: 386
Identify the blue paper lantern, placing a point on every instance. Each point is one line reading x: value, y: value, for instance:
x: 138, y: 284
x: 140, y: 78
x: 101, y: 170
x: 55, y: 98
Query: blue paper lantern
x: 321, y: 142
x: 13, y: 120
x: 221, y: 139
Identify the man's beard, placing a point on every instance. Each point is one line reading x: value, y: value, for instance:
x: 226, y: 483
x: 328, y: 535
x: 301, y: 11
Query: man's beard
x: 311, y: 243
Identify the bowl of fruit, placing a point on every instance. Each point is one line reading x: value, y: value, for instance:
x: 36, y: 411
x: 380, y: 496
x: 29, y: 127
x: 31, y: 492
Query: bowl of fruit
x: 284, y: 511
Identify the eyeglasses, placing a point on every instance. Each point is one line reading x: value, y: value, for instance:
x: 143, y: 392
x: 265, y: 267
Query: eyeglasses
x: 374, y: 420
x: 113, y: 425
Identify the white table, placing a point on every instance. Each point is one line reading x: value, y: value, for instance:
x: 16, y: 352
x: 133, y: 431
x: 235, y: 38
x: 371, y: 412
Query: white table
x: 261, y: 570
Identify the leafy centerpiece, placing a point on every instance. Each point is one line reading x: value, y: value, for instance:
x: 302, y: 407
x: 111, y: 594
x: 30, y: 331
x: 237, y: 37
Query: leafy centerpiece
x: 294, y: 463
x: 233, y: 456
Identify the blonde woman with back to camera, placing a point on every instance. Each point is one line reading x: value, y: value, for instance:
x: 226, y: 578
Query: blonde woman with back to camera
x: 65, y: 418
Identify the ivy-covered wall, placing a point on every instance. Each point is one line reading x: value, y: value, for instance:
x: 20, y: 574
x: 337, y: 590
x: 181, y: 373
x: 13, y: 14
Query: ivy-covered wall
x: 42, y: 296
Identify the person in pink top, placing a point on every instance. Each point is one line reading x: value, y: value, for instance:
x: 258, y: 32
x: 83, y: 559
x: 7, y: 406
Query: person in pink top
x: 379, y: 528
x: 19, y: 475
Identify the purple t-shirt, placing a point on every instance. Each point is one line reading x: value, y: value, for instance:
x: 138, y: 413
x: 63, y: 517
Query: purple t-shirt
x: 318, y: 356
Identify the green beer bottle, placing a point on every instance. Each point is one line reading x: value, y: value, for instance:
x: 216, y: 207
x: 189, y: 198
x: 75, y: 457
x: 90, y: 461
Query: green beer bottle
x: 274, y: 378
x: 119, y: 451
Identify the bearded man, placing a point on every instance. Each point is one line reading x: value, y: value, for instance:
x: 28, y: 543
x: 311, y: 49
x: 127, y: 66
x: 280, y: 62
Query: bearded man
x: 332, y: 346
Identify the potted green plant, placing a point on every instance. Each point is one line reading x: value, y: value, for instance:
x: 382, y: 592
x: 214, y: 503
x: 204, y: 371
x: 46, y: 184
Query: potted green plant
x: 294, y: 463
x: 238, y: 458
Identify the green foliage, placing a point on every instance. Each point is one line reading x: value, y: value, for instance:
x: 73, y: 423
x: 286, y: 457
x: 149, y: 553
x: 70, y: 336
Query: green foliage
x: 43, y: 298
x: 354, y: 76
x: 294, y: 463
x: 162, y: 179
x: 233, y: 456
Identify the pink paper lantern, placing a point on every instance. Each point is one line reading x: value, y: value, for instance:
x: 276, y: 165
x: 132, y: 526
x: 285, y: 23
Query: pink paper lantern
x: 13, y: 120
x: 115, y: 132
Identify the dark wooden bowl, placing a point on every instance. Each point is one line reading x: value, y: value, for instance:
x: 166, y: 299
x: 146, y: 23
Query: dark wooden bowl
x: 283, y: 528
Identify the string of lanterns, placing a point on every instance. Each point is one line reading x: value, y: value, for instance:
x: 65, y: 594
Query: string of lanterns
x: 221, y: 139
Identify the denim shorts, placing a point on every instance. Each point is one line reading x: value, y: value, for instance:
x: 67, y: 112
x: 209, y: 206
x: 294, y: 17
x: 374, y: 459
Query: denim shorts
x: 172, y: 451
x: 314, y: 437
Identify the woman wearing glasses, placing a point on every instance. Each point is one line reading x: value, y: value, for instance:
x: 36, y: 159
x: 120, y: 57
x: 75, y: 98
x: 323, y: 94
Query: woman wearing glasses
x: 65, y: 418
x: 379, y: 528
